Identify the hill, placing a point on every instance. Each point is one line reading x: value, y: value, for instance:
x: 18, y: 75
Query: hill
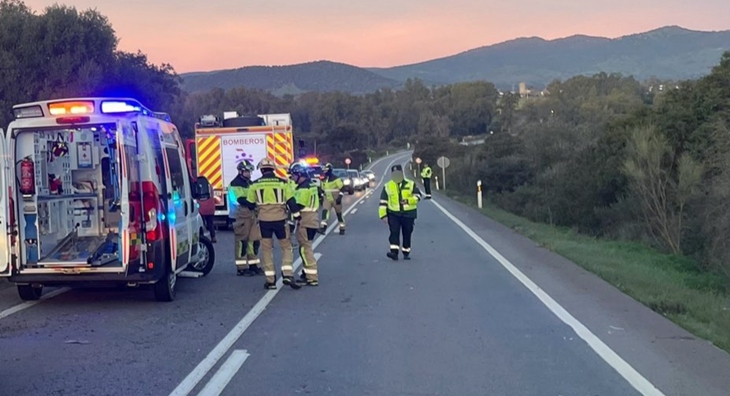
x: 670, y: 52
x: 667, y: 53
x: 292, y: 79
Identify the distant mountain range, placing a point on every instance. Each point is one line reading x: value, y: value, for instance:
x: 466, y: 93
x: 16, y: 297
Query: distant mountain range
x: 670, y: 52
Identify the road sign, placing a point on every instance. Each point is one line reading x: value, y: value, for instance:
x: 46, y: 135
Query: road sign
x: 418, y: 160
x: 348, y: 161
x: 443, y: 162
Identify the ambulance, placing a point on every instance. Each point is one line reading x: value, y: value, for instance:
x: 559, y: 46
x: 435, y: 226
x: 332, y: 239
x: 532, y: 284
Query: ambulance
x: 96, y: 190
x: 221, y: 144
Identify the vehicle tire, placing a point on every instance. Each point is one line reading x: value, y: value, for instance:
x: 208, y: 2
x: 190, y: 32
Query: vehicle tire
x: 206, y: 266
x: 29, y: 293
x: 165, y: 287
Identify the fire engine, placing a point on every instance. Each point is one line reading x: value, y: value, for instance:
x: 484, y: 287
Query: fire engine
x: 221, y: 143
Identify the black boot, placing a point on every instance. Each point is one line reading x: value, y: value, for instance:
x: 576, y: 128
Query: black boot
x: 393, y: 255
x: 289, y: 281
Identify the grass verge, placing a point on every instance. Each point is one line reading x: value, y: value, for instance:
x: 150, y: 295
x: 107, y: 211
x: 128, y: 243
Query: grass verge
x: 670, y: 285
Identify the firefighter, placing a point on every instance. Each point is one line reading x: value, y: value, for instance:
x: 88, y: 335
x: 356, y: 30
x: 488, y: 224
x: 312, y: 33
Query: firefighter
x: 426, y: 174
x: 307, y: 198
x: 291, y: 223
x: 333, y: 189
x: 272, y: 196
x: 245, y: 229
x: 398, y: 208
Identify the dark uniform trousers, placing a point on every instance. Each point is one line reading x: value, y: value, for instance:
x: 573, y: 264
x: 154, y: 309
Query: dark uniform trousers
x: 400, y: 225
x: 427, y: 185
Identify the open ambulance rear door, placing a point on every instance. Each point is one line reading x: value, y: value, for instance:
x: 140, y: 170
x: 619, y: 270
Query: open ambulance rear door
x: 5, y: 199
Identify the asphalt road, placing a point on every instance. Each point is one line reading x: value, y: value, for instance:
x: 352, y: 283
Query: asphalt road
x: 478, y: 311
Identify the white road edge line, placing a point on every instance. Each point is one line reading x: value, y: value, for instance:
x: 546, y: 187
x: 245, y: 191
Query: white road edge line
x: 225, y: 374
x: 202, y: 369
x: 4, y: 314
x: 630, y: 374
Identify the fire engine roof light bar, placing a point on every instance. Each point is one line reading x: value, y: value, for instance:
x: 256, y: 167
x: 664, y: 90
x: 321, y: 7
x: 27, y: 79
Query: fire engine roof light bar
x: 28, y: 112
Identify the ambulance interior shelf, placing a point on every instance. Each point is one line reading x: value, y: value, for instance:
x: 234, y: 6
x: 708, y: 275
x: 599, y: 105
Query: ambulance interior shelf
x: 66, y: 221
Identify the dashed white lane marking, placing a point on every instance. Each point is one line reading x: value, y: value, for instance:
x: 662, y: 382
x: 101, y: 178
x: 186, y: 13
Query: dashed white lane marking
x: 354, y: 211
x: 223, y: 376
x: 202, y: 369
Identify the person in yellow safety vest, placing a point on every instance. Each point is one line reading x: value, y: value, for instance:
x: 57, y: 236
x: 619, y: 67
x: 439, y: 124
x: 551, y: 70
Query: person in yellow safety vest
x: 290, y: 222
x: 426, y: 174
x: 333, y: 190
x: 272, y: 196
x: 398, y: 208
x: 307, y: 197
x: 246, y: 231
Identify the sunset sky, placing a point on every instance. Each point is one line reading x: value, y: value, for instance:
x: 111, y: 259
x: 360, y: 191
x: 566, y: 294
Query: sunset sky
x: 195, y: 35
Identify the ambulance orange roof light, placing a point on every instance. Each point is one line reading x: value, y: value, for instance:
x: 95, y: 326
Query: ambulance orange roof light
x: 76, y: 107
x: 312, y: 161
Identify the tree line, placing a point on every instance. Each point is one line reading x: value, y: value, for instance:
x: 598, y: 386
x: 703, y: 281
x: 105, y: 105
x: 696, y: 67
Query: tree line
x: 63, y: 52
x: 613, y: 158
x: 604, y: 154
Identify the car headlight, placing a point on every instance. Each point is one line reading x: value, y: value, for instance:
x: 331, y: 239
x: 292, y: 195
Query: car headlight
x: 346, y: 182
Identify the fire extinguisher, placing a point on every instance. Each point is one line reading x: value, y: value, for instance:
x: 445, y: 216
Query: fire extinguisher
x: 27, y: 176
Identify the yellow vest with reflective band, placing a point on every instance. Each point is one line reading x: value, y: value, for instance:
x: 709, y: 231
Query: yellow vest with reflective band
x: 307, y: 197
x: 426, y: 172
x: 395, y: 193
x: 235, y: 191
x: 332, y: 187
x: 293, y: 186
x: 270, y: 195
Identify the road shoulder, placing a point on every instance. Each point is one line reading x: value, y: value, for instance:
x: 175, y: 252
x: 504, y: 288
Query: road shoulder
x: 674, y: 360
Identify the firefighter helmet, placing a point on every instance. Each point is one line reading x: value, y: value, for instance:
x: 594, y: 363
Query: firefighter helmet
x: 267, y: 163
x: 328, y: 167
x: 245, y: 165
x: 297, y: 169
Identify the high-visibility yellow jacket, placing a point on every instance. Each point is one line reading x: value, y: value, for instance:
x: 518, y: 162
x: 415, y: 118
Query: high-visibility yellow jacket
x: 426, y: 172
x: 400, y: 199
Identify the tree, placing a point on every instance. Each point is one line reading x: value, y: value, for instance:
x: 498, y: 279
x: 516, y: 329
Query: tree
x: 64, y: 52
x: 649, y: 167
